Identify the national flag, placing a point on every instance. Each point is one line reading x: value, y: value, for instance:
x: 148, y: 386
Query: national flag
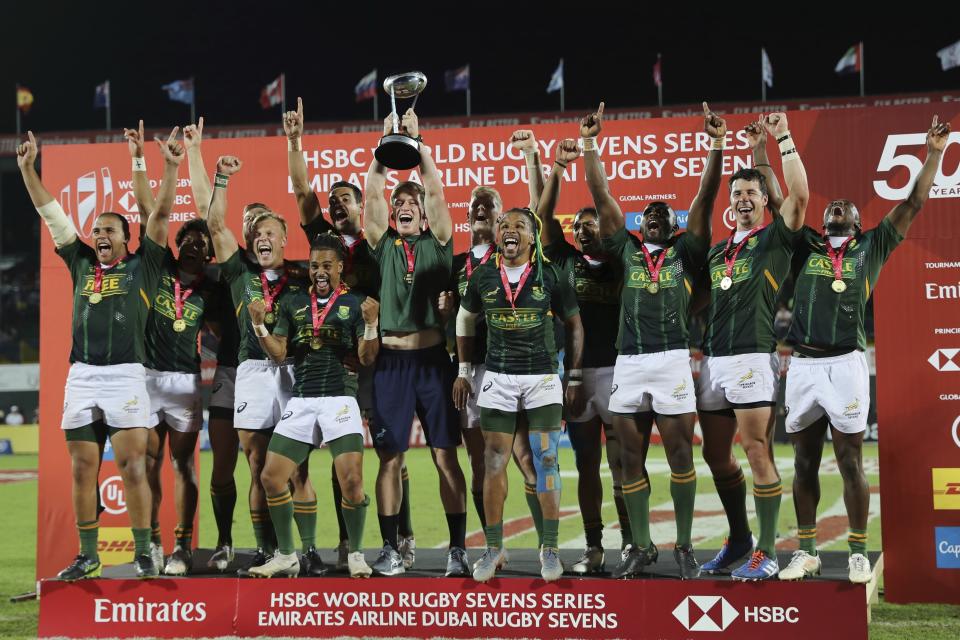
x: 556, y: 80
x: 24, y: 99
x: 657, y: 76
x: 950, y: 56
x: 366, y: 89
x: 101, y: 96
x: 767, y: 68
x: 851, y: 60
x: 272, y: 94
x: 458, y: 79
x: 180, y: 91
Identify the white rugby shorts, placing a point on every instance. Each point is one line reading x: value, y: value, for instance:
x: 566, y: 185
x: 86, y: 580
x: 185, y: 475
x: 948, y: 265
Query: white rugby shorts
x: 116, y: 394
x: 471, y: 416
x: 175, y: 399
x: 726, y: 381
x: 224, y: 381
x: 597, y: 383
x: 508, y: 392
x: 838, y: 387
x: 660, y: 382
x: 320, y: 420
x: 262, y: 390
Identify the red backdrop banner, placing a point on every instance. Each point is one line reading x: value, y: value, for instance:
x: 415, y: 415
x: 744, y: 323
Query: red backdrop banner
x: 867, y: 155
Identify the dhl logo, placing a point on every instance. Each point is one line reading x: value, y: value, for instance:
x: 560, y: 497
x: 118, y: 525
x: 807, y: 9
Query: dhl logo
x: 946, y: 489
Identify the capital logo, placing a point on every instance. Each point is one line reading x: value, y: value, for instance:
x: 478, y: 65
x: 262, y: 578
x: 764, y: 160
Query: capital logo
x: 705, y: 613
x: 729, y: 219
x: 946, y: 488
x: 112, y: 496
x: 947, y: 541
x: 943, y: 360
x: 90, y: 195
x: 286, y: 414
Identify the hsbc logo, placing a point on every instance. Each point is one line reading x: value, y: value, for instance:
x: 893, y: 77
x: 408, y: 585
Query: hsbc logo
x: 705, y: 613
x: 943, y: 360
x: 90, y: 195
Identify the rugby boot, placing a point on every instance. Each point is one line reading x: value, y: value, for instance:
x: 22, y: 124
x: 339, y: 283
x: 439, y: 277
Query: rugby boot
x: 311, y: 564
x: 859, y: 566
x: 143, y: 563
x: 550, y: 566
x: 179, y: 563
x: 82, y: 567
x: 259, y: 558
x: 493, y: 558
x: 729, y: 553
x: 358, y: 566
x: 802, y: 564
x: 760, y: 566
x: 689, y: 567
x: 343, y: 555
x: 156, y: 554
x: 408, y: 551
x: 221, y: 558
x: 389, y: 562
x: 457, y: 566
x: 635, y: 560
x: 593, y: 560
x: 280, y: 565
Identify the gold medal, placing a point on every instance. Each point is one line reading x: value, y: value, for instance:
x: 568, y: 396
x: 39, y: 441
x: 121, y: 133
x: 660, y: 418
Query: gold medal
x: 269, y: 317
x: 179, y: 325
x: 96, y: 297
x: 726, y: 283
x: 839, y: 286
x: 408, y: 278
x: 316, y: 343
x: 653, y: 287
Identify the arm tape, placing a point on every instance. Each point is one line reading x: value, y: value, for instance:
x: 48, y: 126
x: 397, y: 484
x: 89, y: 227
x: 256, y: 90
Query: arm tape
x: 466, y: 323
x: 61, y: 227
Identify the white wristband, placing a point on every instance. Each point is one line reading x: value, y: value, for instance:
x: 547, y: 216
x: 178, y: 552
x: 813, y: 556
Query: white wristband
x: 139, y: 164
x: 787, y: 144
x: 371, y: 331
x: 465, y: 370
x: 260, y: 331
x: 291, y: 146
x: 574, y: 383
x: 718, y: 144
x: 590, y: 144
x: 575, y: 373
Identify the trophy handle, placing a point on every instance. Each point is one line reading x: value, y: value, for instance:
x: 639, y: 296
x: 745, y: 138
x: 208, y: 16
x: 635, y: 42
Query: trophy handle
x: 393, y: 105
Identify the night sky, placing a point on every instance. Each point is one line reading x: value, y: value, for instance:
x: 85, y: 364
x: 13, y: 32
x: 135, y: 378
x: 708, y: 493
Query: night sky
x: 62, y: 50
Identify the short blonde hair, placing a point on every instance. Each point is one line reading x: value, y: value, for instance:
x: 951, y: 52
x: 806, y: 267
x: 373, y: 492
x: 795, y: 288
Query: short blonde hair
x: 269, y: 215
x: 489, y: 191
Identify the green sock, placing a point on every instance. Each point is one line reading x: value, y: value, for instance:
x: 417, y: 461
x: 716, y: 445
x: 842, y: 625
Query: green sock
x: 767, y: 497
x: 732, y: 490
x: 626, y: 536
x: 184, y: 536
x: 305, y: 515
x: 354, y: 516
x: 155, y: 534
x: 281, y: 514
x: 406, y: 524
x: 494, y: 534
x: 807, y: 535
x: 263, y: 529
x: 89, y: 531
x: 141, y: 542
x: 224, y: 498
x: 636, y: 495
x: 857, y: 541
x: 683, y: 490
x: 551, y: 533
x: 530, y: 491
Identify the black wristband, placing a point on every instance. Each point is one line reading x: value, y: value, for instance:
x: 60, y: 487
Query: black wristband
x: 786, y: 137
x: 560, y: 163
x: 788, y: 152
x: 762, y: 164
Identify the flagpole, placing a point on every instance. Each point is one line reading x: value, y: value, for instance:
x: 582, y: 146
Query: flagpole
x: 862, y: 92
x: 763, y: 82
x: 376, y: 93
x: 16, y: 93
x: 563, y: 72
x: 660, y: 84
x: 283, y: 94
x: 468, y: 91
x: 108, y: 105
x: 193, y: 101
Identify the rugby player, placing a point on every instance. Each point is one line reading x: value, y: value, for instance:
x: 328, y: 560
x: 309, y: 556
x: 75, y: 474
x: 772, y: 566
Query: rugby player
x: 652, y: 379
x: 829, y: 381
x: 319, y: 328
x: 413, y: 371
x: 597, y: 284
x: 519, y: 292
x: 172, y: 361
x: 263, y: 387
x: 737, y: 386
x: 106, y: 388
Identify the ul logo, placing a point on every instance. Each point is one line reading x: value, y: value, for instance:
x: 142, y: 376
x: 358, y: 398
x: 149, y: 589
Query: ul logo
x: 112, y: 497
x: 92, y: 194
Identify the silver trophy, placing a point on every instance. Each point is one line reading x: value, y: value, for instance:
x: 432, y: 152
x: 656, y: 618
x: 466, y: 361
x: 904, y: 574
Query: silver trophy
x: 398, y: 150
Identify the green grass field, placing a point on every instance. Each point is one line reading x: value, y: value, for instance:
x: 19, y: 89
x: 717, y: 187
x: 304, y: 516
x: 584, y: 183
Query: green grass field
x: 18, y: 519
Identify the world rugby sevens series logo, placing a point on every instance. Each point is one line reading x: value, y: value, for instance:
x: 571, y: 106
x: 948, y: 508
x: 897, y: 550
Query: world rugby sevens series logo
x: 91, y: 195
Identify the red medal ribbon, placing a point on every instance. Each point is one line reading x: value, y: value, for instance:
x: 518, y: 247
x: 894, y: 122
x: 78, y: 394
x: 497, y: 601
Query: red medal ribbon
x: 98, y: 273
x: 731, y: 260
x: 483, y: 261
x: 269, y: 294
x: 511, y: 297
x: 318, y: 320
x: 351, y: 249
x: 411, y: 260
x: 836, y: 256
x: 653, y: 268
x: 177, y: 299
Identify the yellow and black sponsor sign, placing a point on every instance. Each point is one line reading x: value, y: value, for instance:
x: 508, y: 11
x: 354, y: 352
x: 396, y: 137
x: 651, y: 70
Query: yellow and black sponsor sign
x: 639, y: 278
x: 113, y: 284
x: 818, y: 265
x: 505, y: 319
x: 115, y: 545
x: 946, y: 489
x: 741, y: 271
x: 165, y: 305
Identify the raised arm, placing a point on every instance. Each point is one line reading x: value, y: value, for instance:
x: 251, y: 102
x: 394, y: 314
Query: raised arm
x: 224, y: 242
x: 611, y: 217
x: 141, y: 185
x: 903, y: 214
x: 158, y: 221
x: 369, y: 345
x: 61, y: 228
x: 274, y: 346
x: 435, y: 205
x: 308, y: 204
x: 794, y: 207
x: 698, y: 222
x: 757, y: 139
x: 376, y: 212
x: 524, y: 141
x: 199, y: 178
x: 567, y: 152
x: 466, y: 335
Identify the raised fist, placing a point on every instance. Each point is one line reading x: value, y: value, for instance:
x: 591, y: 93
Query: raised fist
x: 756, y: 134
x: 567, y: 151
x: 776, y: 124
x: 370, y: 309
x: 523, y: 140
x: 591, y: 125
x: 257, y: 311
x: 937, y: 135
x: 228, y: 165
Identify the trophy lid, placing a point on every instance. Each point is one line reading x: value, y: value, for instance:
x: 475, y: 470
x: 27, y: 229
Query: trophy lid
x: 405, y: 85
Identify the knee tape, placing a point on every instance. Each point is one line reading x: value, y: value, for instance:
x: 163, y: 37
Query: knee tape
x: 545, y: 447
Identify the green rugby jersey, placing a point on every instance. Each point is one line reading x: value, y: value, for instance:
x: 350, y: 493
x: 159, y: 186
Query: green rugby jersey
x: 360, y: 269
x: 320, y: 372
x: 168, y: 350
x: 823, y: 318
x: 460, y: 287
x: 521, y: 344
x: 222, y: 311
x: 655, y: 322
x: 412, y: 307
x: 112, y: 331
x: 245, y: 286
x: 740, y: 319
x: 597, y: 288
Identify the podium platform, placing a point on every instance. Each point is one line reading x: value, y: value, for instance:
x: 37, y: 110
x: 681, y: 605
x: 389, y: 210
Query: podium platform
x: 423, y: 604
